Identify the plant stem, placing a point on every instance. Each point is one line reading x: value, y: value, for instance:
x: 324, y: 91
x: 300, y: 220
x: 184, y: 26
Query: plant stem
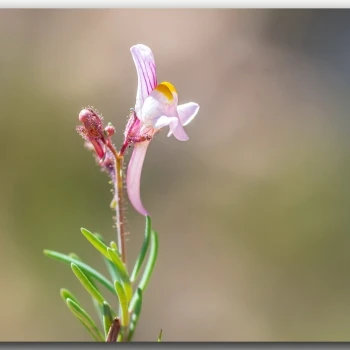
x: 119, y: 193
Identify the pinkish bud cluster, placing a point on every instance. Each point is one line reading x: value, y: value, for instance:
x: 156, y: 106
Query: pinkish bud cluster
x: 97, y: 137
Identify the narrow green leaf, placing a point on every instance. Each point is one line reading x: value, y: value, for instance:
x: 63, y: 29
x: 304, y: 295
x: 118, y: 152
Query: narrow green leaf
x: 124, y: 277
x: 150, y: 262
x: 101, y: 247
x: 88, y: 270
x: 123, y: 302
x: 87, y: 284
x: 135, y: 314
x: 85, y: 319
x: 160, y: 336
x: 147, y: 273
x: 144, y: 250
x: 97, y: 306
x: 107, y: 317
x: 109, y: 264
x: 65, y: 294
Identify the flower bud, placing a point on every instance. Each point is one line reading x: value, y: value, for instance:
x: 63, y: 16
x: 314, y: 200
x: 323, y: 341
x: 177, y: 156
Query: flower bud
x: 109, y: 130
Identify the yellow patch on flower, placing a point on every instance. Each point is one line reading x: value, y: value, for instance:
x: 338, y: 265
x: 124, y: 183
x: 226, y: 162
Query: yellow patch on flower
x: 169, y: 85
x: 166, y: 89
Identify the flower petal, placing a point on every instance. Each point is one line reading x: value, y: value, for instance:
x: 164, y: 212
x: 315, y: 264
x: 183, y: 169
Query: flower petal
x: 163, y: 121
x: 187, y: 112
x: 177, y: 129
x: 146, y: 73
x: 133, y: 176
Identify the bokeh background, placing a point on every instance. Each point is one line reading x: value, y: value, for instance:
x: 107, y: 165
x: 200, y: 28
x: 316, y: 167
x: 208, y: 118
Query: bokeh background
x: 253, y: 211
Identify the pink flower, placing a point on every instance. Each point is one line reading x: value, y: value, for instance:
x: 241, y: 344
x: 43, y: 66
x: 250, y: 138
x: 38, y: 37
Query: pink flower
x: 156, y: 107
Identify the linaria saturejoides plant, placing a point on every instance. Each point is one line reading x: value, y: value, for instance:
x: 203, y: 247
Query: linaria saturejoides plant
x: 156, y: 107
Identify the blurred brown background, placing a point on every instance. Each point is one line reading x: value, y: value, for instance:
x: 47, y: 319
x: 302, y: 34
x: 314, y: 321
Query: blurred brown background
x: 253, y: 211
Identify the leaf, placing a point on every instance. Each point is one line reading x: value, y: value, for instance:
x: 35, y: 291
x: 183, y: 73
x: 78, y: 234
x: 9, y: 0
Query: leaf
x: 87, y: 284
x: 97, y: 306
x: 65, y: 294
x: 123, y: 302
x: 150, y: 262
x: 89, y: 271
x: 100, y: 246
x: 144, y: 250
x: 110, y: 266
x: 124, y: 277
x: 85, y: 319
x: 107, y: 317
x: 152, y: 258
x: 160, y: 336
x: 136, y: 313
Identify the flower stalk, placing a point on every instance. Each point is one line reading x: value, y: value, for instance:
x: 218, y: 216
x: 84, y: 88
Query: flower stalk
x: 118, y: 200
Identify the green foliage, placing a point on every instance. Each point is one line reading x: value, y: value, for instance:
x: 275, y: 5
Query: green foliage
x: 100, y: 246
x: 152, y: 258
x: 84, y: 267
x: 122, y: 272
x: 107, y: 317
x: 121, y: 285
x: 143, y: 251
x: 85, y: 319
x: 123, y: 302
x: 160, y: 336
x: 92, y: 290
x: 135, y: 314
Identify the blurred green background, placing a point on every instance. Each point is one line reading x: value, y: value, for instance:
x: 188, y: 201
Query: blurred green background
x: 253, y: 211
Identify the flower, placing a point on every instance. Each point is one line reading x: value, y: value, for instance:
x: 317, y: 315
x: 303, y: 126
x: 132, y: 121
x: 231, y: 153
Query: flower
x: 156, y: 107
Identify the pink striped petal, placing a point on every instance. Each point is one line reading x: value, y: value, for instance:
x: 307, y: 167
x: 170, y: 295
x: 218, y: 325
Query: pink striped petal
x: 187, y: 112
x: 146, y: 73
x: 133, y: 176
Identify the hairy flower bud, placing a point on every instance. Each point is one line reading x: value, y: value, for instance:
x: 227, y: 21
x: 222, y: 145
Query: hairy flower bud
x: 109, y: 130
x: 92, y: 122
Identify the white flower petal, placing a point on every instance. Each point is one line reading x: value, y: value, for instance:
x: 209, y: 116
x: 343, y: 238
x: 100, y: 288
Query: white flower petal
x: 157, y: 105
x: 163, y: 121
x: 177, y: 129
x: 187, y: 112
